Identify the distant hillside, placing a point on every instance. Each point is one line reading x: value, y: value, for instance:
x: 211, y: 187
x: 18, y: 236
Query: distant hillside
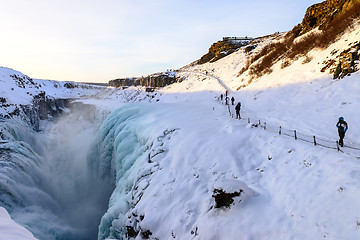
x: 154, y: 80
x: 323, y: 24
x: 95, y: 84
x: 35, y: 99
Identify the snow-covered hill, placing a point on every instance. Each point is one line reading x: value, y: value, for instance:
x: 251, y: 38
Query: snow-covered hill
x: 300, y: 89
x: 17, y: 89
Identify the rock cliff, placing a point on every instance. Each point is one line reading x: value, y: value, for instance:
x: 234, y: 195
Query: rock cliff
x: 43, y: 107
x: 321, y: 14
x: 221, y: 49
x: 153, y: 81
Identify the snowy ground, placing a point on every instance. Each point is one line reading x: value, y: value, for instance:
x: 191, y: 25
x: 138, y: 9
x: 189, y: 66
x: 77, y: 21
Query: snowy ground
x: 10, y: 230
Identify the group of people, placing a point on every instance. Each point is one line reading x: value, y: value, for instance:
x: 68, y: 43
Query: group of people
x: 237, y: 107
x: 341, y: 124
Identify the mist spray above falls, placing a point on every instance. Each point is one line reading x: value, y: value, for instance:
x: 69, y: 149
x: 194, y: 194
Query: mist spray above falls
x: 47, y: 185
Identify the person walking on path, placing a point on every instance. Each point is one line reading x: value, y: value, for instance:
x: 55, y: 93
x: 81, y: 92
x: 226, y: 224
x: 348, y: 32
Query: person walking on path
x: 342, y: 128
x: 221, y: 97
x: 232, y: 100
x: 226, y: 100
x: 237, y: 109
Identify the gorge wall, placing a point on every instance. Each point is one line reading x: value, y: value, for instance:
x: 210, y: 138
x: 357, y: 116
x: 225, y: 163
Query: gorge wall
x: 153, y: 81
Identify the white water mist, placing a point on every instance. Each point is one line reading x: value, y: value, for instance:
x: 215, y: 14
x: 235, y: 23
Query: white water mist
x: 62, y: 200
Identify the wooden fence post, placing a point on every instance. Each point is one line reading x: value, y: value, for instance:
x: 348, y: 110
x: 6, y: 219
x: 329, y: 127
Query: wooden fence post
x: 264, y: 125
x: 314, y: 141
x: 280, y: 131
x: 295, y: 134
x: 337, y: 145
x: 248, y: 120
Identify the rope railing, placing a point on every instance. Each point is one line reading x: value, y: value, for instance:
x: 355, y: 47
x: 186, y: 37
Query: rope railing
x: 308, y: 138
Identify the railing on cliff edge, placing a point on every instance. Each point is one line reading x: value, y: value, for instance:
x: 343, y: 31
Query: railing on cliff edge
x: 314, y: 139
x: 280, y: 130
x: 298, y: 135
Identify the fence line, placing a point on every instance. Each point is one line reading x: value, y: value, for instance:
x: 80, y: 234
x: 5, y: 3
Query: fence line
x: 313, y: 139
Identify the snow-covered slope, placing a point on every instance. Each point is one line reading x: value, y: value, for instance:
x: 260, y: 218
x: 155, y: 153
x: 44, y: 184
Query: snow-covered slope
x: 299, y: 96
x: 302, y: 69
x: 18, y: 89
x: 169, y: 158
x: 10, y: 230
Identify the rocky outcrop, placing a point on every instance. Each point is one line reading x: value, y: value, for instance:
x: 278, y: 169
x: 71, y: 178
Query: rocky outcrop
x: 224, y: 199
x: 23, y: 81
x: 221, y: 49
x: 152, y: 81
x: 42, y: 107
x: 344, y: 63
x: 321, y: 14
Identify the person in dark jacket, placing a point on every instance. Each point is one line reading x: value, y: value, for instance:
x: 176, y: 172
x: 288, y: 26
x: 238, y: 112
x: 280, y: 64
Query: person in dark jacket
x: 221, y: 97
x: 342, y: 128
x: 237, y: 109
x: 232, y: 100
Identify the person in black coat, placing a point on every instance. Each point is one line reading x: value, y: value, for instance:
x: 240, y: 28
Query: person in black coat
x: 237, y: 109
x: 232, y: 100
x: 342, y: 128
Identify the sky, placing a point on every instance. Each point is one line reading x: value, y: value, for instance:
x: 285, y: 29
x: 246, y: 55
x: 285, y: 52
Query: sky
x: 96, y: 41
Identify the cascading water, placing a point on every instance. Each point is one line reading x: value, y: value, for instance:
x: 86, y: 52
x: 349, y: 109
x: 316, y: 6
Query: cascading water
x: 126, y: 144
x: 121, y: 145
x: 45, y: 183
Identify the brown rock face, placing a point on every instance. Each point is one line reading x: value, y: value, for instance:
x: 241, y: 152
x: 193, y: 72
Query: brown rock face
x: 347, y: 62
x: 344, y: 63
x: 321, y: 14
x: 154, y: 80
x: 221, y: 49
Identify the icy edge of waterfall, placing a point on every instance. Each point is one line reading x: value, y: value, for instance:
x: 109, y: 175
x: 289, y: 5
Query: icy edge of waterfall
x: 126, y: 152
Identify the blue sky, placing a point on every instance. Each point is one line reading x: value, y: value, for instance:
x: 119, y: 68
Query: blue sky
x: 96, y: 41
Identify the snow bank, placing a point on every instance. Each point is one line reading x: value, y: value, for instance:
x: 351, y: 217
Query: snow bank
x: 11, y: 230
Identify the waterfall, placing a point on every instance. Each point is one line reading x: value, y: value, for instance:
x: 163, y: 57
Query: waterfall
x: 45, y: 182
